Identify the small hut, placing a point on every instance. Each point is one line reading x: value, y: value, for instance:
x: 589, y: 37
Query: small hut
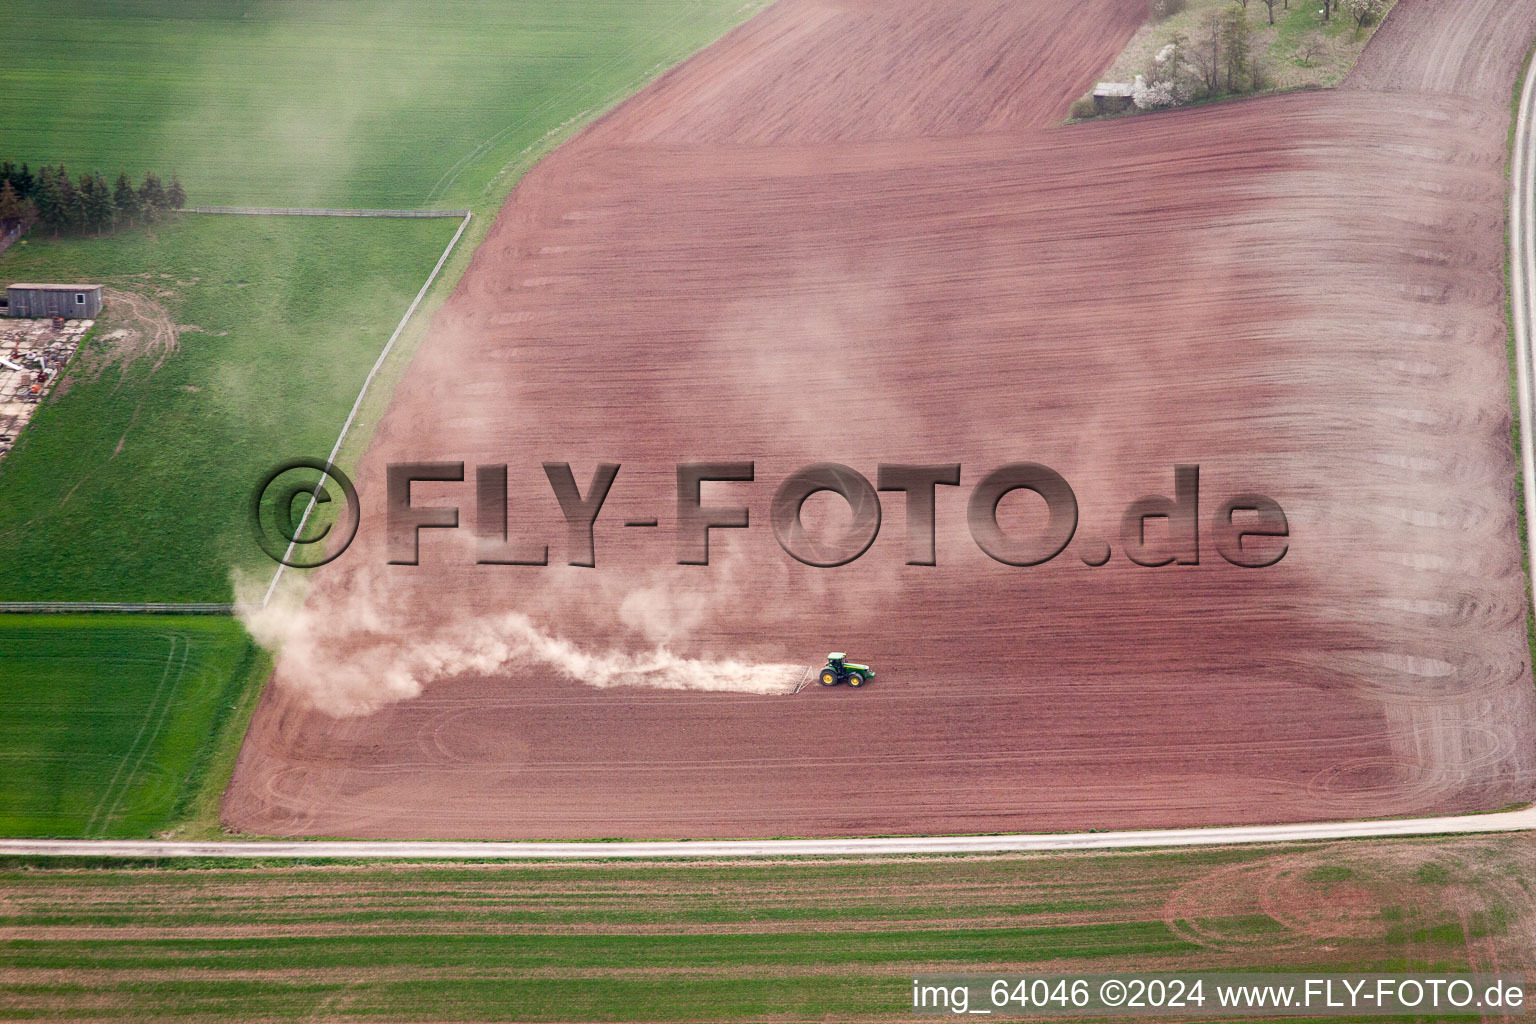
x: 1112, y: 97
x: 71, y: 301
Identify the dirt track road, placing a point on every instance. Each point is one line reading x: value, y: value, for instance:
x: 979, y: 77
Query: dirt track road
x: 792, y: 250
x: 1471, y: 824
x: 1522, y: 252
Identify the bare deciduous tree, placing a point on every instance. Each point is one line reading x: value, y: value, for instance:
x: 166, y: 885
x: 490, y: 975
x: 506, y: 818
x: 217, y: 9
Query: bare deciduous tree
x: 1311, y: 47
x: 15, y: 210
x: 1205, y: 52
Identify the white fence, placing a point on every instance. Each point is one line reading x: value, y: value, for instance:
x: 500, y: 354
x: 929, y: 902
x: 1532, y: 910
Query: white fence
x: 141, y: 608
x: 319, y: 211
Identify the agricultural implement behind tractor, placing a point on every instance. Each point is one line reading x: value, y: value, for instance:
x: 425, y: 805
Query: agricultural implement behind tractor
x: 839, y: 670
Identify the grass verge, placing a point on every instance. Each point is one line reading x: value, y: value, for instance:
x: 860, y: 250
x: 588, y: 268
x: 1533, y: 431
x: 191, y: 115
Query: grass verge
x: 197, y: 813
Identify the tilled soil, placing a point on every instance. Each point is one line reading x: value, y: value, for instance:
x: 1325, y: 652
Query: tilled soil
x: 849, y: 233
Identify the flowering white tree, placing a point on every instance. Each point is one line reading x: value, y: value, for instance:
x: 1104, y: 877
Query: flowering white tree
x: 1151, y: 96
x: 1168, y: 80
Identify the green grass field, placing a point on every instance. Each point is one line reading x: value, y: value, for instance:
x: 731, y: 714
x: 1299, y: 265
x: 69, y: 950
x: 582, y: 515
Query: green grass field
x: 110, y: 724
x: 132, y: 483
x: 363, y: 103
x: 696, y: 941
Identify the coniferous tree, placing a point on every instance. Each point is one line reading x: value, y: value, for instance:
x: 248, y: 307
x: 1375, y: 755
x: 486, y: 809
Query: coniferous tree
x: 49, y: 198
x: 99, y: 206
x: 125, y: 198
x: 59, y: 190
x: 87, y: 203
x: 1237, y: 48
x: 84, y: 202
x: 74, y: 200
x: 151, y: 196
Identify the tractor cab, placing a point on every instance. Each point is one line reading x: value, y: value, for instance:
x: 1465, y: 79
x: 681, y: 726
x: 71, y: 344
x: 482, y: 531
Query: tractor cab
x: 838, y: 670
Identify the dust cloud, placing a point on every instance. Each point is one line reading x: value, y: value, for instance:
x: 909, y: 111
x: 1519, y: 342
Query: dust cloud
x: 362, y: 653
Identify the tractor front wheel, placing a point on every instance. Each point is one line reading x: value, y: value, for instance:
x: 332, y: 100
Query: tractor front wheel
x: 854, y: 679
x: 828, y: 678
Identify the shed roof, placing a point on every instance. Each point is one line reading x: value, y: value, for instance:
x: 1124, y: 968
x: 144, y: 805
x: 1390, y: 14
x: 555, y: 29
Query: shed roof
x: 56, y: 287
x: 1114, y: 89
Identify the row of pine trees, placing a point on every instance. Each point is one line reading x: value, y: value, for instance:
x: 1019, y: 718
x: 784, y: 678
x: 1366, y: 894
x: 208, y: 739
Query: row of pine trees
x: 86, y: 203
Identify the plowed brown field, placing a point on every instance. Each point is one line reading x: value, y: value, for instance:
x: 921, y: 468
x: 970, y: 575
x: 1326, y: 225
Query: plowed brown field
x: 848, y: 232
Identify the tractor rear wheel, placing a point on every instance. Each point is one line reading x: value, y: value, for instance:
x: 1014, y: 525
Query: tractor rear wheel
x: 855, y: 679
x: 828, y: 678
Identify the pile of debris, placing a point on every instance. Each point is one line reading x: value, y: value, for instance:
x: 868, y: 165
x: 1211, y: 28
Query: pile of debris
x: 33, y: 353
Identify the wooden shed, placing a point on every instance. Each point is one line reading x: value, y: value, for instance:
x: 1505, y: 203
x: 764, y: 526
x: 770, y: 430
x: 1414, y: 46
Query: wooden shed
x: 1113, y: 97
x: 72, y: 301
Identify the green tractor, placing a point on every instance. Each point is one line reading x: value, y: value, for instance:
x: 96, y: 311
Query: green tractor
x: 839, y: 670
